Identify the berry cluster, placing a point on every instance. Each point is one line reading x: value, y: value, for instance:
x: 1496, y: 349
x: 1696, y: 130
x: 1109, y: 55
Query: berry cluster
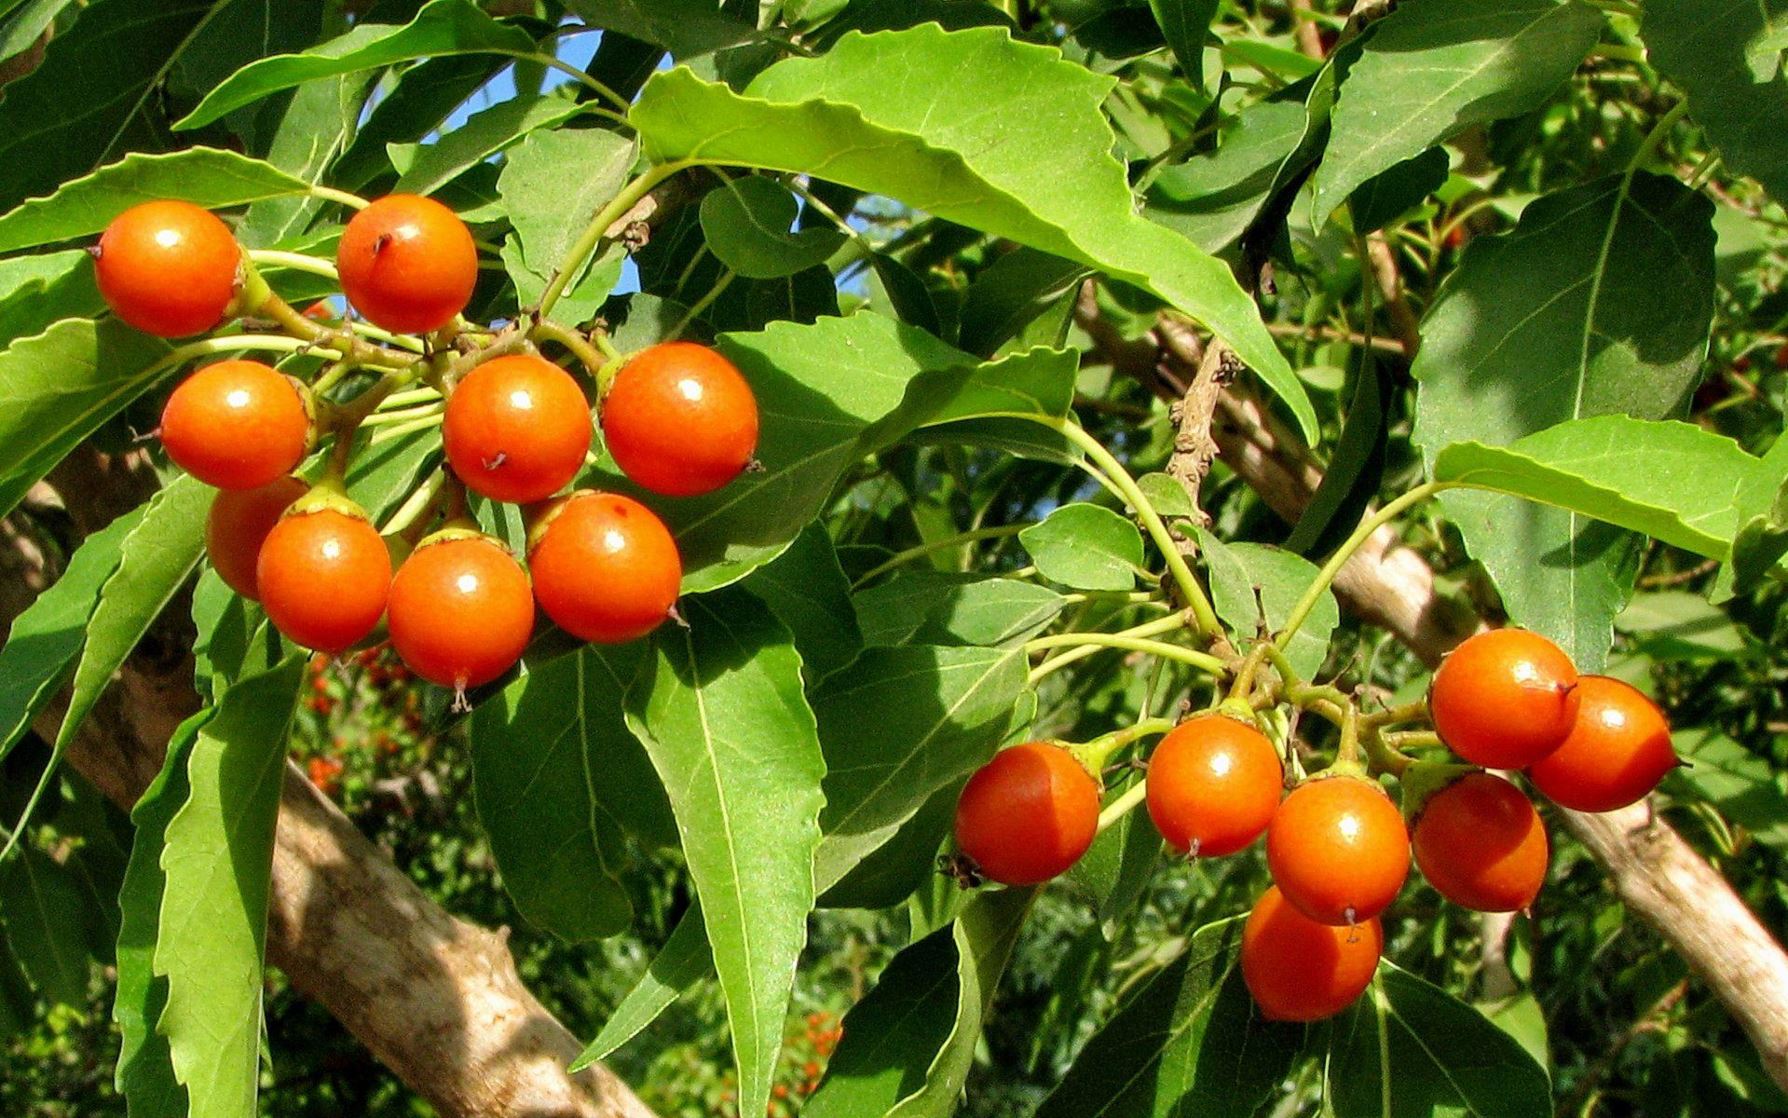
x: 678, y: 418
x: 1337, y: 845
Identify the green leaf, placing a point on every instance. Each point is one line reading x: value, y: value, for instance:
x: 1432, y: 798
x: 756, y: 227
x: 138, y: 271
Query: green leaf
x: 1678, y: 625
x: 840, y: 388
x: 747, y: 222
x: 537, y: 759
x: 1705, y: 46
x: 218, y: 859
x: 883, y: 868
x: 1013, y: 291
x: 1282, y: 577
x: 985, y: 933
x: 900, y: 723
x: 1409, y: 1050
x: 49, y: 634
x: 1352, y: 478
x: 315, y: 128
x: 488, y: 132
x: 58, y: 387
x: 1117, y: 868
x: 116, y: 54
x: 145, y: 1067
x: 907, y: 296
x: 1167, y: 495
x: 549, y: 214
x: 84, y: 206
x: 1555, y: 321
x: 1736, y: 780
x: 1393, y: 192
x: 720, y: 710
x: 1036, y: 381
x: 155, y: 558
x: 1189, y: 1042
x: 1433, y: 68
x: 26, y: 24
x: 418, y: 102
x: 684, y: 960
x: 940, y: 607
x: 42, y: 290
x: 902, y: 114
x: 442, y: 27
x: 1667, y: 479
x: 1186, y: 24
x: 683, y: 27
x: 44, y: 910
x: 892, y: 1034
x: 1086, y: 547
x: 807, y: 591
x: 1212, y: 199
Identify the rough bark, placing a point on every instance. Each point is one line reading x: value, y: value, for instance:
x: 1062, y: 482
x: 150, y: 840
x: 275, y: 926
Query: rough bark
x: 436, y: 999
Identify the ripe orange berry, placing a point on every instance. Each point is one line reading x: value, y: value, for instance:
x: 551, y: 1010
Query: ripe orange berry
x: 237, y: 424
x: 605, y: 567
x: 324, y: 577
x: 168, y: 268
x: 1028, y: 814
x: 1504, y: 699
x: 1480, y: 843
x: 461, y: 611
x: 238, y: 524
x: 407, y: 263
x: 680, y: 420
x: 1213, y: 785
x: 1300, y: 970
x: 1616, y: 753
x: 517, y: 429
x: 1338, y: 849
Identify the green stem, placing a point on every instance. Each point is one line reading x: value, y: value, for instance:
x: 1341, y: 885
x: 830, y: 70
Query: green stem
x: 911, y: 553
x: 615, y: 100
x: 1325, y: 577
x: 597, y: 229
x: 1201, y: 660
x: 398, y: 431
x: 1122, y: 806
x: 1168, y: 624
x: 587, y: 355
x: 1655, y: 138
x: 1094, y: 754
x: 411, y: 511
x: 294, y: 261
x: 1408, y: 712
x: 411, y: 396
x: 720, y: 285
x: 330, y: 194
x: 1384, y: 757
x: 383, y: 418
x: 1204, y: 617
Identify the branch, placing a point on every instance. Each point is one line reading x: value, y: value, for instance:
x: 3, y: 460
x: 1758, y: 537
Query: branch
x: 436, y: 999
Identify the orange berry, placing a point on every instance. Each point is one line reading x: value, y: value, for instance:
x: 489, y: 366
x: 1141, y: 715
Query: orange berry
x: 407, y: 263
x: 1504, y: 699
x: 1028, y: 814
x: 461, y: 611
x: 237, y: 424
x: 168, y: 268
x: 1298, y: 969
x: 1213, y: 785
x: 237, y: 526
x: 1616, y: 753
x: 1480, y: 843
x: 517, y: 429
x: 1338, y: 849
x: 605, y: 567
x: 680, y: 419
x: 324, y: 577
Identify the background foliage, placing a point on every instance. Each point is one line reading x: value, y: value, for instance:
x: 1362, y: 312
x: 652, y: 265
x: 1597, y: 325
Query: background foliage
x: 1531, y: 246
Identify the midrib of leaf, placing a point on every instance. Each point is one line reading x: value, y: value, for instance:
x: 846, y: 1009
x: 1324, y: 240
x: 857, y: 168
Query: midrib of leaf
x: 1173, y: 1035
x: 123, y: 387
x: 732, y: 852
x: 1380, y: 1008
x: 43, y: 913
x: 1386, y: 1009
x: 919, y: 747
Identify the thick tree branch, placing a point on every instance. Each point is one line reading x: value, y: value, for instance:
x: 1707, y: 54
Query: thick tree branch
x: 436, y: 999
